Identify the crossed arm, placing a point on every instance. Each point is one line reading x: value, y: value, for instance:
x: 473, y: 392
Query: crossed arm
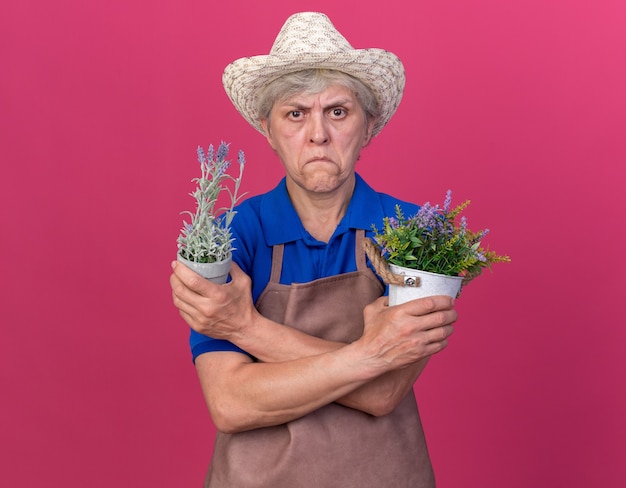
x: 298, y: 373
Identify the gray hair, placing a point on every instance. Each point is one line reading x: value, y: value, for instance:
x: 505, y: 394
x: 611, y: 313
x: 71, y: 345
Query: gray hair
x: 311, y: 81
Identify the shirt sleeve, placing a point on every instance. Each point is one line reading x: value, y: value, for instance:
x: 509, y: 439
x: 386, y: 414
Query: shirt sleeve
x: 200, y: 344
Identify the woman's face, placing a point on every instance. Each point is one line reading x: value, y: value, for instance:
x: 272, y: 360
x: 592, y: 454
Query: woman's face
x: 318, y: 137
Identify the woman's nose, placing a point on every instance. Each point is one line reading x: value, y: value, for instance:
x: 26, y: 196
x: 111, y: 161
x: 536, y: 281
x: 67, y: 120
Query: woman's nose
x: 318, y: 132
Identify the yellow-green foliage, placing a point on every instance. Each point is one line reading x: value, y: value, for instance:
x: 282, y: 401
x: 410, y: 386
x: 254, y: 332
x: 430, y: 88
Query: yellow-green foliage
x: 433, y: 240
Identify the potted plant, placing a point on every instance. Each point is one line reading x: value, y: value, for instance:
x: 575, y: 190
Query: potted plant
x: 429, y: 253
x: 205, y: 244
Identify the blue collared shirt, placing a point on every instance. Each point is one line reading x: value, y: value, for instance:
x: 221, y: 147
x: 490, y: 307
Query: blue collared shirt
x: 269, y: 219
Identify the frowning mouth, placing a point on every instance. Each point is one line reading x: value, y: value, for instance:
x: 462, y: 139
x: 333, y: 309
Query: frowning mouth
x: 319, y: 159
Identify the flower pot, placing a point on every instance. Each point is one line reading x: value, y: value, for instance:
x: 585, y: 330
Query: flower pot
x: 429, y: 284
x: 214, y: 272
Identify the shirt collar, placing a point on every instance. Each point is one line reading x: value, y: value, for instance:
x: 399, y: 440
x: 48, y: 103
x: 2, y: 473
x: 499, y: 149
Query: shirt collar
x: 365, y: 207
x: 281, y: 223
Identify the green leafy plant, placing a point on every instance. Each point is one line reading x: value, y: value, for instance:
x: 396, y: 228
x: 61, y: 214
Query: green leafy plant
x: 207, y: 237
x: 432, y: 240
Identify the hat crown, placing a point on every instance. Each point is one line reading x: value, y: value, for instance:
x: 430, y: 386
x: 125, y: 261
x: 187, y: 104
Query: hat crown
x: 309, y: 32
x: 309, y: 40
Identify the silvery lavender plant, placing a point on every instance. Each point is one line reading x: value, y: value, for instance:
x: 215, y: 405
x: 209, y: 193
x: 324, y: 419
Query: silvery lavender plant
x: 432, y: 241
x: 207, y: 237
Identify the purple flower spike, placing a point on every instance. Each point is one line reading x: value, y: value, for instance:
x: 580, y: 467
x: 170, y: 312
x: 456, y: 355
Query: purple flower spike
x: 447, y: 202
x: 463, y: 225
x: 481, y: 235
x: 201, y: 157
x: 222, y: 151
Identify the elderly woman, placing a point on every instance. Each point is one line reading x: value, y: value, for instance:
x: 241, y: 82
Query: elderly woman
x: 306, y: 371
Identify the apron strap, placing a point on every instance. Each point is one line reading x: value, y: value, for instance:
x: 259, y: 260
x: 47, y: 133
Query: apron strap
x: 278, y: 250
x: 358, y: 250
x: 277, y: 263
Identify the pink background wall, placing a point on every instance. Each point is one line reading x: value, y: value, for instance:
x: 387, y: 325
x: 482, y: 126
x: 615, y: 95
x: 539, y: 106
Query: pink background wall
x: 518, y: 105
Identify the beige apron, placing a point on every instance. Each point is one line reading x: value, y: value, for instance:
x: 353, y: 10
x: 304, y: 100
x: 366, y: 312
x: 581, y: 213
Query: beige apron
x: 334, y: 446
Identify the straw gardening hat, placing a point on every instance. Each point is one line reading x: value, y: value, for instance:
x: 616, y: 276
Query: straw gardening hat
x: 309, y: 40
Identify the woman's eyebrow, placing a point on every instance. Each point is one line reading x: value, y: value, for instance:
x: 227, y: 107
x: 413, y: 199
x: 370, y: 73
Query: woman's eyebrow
x: 304, y: 106
x: 339, y: 102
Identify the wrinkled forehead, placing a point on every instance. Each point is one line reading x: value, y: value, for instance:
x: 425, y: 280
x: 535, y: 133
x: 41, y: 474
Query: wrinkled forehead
x: 329, y: 96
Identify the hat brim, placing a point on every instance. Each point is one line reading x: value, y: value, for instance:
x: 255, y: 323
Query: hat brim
x: 380, y: 70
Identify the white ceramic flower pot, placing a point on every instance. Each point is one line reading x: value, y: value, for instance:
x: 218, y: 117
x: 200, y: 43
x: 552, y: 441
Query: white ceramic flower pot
x: 214, y: 272
x: 429, y: 284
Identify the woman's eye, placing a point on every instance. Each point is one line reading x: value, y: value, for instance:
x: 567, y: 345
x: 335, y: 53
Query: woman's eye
x: 295, y: 114
x: 338, y: 112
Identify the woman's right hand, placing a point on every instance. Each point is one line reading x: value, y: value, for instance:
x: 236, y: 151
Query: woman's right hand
x: 217, y: 311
